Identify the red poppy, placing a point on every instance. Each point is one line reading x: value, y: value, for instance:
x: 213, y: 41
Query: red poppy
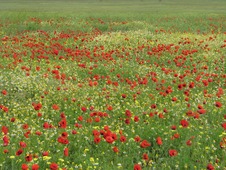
x: 201, y: 111
x: 63, y: 123
x: 115, y: 149
x: 128, y: 113
x: 123, y: 139
x: 25, y: 126
x: 23, y: 144
x: 124, y: 96
x: 45, y: 153
x: 37, y: 106
x: 4, y: 92
x: 136, y: 119
x: 109, y: 139
x: 184, y: 123
x: 66, y: 152
x: 153, y: 106
x: 145, y: 157
x: 218, y: 104
x: 137, y: 167
x: 224, y: 125
x: 159, y: 140
x: 5, y: 141
x: 83, y: 109
x: 24, y: 167
x: 174, y: 99
x: 28, y: 158
x: 97, y: 139
x: 74, y: 132
x: 4, y: 130
x: 172, y: 152
x: 55, y: 107
x: 210, y: 167
x: 110, y: 108
x: 35, y: 167
x: 137, y: 139
x: 176, y: 135
x: 145, y: 144
x: 53, y: 166
x: 19, y: 152
x: 189, y: 142
x: 127, y: 121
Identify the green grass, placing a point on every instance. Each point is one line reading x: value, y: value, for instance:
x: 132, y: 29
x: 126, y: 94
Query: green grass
x: 117, y: 44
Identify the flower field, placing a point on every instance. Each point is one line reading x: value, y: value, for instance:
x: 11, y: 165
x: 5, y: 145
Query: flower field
x: 113, y: 93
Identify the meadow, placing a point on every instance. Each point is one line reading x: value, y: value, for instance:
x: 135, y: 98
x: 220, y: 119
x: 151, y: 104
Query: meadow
x: 103, y: 84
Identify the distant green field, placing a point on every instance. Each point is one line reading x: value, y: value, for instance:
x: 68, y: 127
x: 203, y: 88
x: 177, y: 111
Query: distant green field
x: 181, y: 13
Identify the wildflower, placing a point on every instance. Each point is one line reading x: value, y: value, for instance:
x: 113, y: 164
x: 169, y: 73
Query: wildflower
x: 4, y: 92
x: 210, y: 167
x: 66, y: 152
x: 55, y: 107
x: 159, y: 140
x: 28, y: 158
x: 19, y: 152
x: 35, y: 167
x: 137, y: 167
x: 123, y: 139
x: 24, y: 167
x: 145, y: 157
x: 145, y: 144
x: 184, y: 123
x: 115, y: 149
x: 218, y: 104
x: 172, y: 152
x: 53, y: 166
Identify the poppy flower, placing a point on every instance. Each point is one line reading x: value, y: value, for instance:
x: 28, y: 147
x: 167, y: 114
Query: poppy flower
x: 97, y: 139
x: 83, y: 109
x: 53, y: 166
x: 128, y: 113
x: 124, y: 96
x: 127, y: 121
x: 137, y: 167
x: 201, y: 111
x: 4, y: 130
x: 218, y: 104
x: 115, y: 149
x: 28, y: 158
x: 189, y: 142
x: 224, y: 125
x: 24, y: 167
x: 19, y: 152
x: 159, y: 140
x: 63, y: 123
x: 37, y: 106
x: 184, y: 123
x: 4, y: 92
x: 210, y: 167
x: 145, y: 157
x: 35, y: 167
x: 6, y: 151
x: 123, y: 139
x: 45, y: 153
x: 66, y: 152
x: 109, y: 108
x: 23, y: 144
x: 172, y: 152
x: 109, y: 139
x: 145, y: 144
x: 55, y: 107
x: 137, y: 139
x: 5, y: 141
x: 136, y: 119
